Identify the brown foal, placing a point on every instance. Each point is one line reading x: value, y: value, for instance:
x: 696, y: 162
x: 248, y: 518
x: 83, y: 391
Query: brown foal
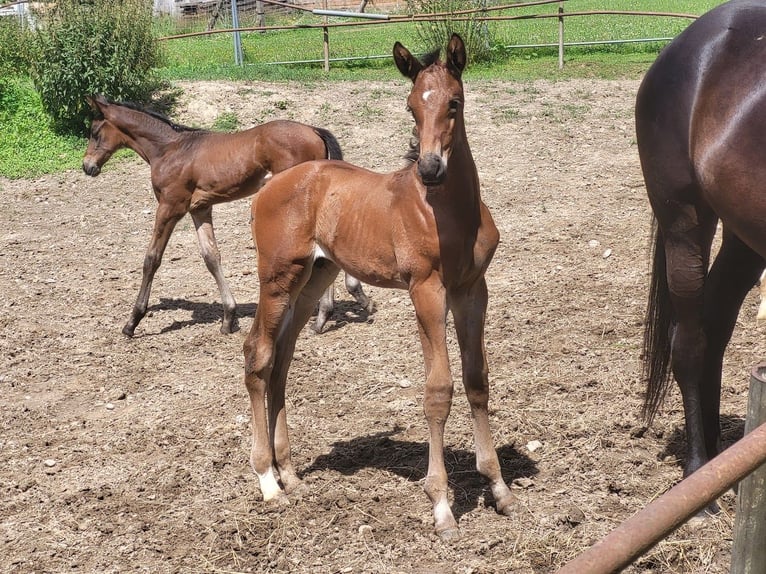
x: 192, y: 170
x: 423, y: 228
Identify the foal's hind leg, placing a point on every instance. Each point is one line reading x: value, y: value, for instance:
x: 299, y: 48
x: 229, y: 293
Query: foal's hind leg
x: 734, y: 272
x: 327, y: 301
x: 468, y: 310
x: 354, y: 286
x: 326, y: 306
x: 203, y: 222
x: 168, y: 214
x: 323, y: 274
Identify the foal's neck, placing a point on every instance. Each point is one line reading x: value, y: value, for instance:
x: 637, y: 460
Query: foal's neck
x: 146, y: 135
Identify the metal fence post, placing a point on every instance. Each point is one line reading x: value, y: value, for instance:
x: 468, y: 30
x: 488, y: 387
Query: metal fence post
x: 748, y: 554
x: 237, y: 37
x: 561, y: 35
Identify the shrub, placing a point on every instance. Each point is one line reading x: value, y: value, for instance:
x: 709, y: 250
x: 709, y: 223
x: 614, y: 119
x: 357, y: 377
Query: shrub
x: 85, y: 47
x: 473, y: 31
x: 14, y: 58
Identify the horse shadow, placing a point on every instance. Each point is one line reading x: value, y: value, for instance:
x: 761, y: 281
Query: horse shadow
x: 344, y: 313
x: 205, y: 313
x: 732, y: 429
x: 409, y: 460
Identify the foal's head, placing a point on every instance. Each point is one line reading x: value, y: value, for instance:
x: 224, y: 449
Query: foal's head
x: 104, y: 139
x: 436, y: 103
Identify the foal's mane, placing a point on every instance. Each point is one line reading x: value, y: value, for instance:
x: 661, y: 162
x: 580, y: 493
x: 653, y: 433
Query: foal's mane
x: 156, y: 115
x: 413, y: 153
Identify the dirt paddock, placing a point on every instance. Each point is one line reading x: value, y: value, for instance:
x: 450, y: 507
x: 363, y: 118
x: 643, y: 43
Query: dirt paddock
x: 122, y: 455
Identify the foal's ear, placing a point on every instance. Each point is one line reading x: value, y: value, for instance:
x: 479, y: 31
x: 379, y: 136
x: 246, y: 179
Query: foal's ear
x: 408, y: 64
x: 95, y: 102
x: 456, y: 56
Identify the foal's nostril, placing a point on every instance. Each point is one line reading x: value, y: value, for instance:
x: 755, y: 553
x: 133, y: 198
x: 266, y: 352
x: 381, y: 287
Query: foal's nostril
x: 431, y: 169
x: 91, y: 169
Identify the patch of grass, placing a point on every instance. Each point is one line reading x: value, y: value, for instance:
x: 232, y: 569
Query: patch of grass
x: 29, y: 147
x: 226, y: 122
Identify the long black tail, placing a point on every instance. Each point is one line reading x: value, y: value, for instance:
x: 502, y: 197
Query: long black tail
x: 330, y: 143
x: 656, y: 369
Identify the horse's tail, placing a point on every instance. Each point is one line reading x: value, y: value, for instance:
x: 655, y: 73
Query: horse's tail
x: 330, y: 143
x: 657, y: 323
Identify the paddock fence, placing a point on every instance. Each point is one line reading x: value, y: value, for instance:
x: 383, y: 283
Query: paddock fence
x: 331, y: 19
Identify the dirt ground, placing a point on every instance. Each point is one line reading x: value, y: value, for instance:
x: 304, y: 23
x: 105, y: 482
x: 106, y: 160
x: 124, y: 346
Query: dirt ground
x: 122, y: 455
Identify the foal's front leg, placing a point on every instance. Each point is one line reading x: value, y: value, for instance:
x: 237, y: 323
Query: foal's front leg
x: 168, y: 214
x: 430, y: 304
x: 469, y: 311
x: 203, y: 222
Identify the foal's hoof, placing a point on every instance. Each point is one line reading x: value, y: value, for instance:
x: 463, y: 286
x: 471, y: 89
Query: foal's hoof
x: 508, y: 505
x: 449, y: 534
x: 277, y: 503
x: 128, y: 331
x: 227, y: 328
x: 297, y: 491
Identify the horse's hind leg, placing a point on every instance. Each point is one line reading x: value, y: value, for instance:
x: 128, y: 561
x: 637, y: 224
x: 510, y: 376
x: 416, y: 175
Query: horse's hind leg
x: 164, y: 222
x: 734, y: 272
x: 326, y: 306
x: 354, y: 286
x: 469, y: 310
x: 688, y: 238
x: 327, y: 301
x: 259, y: 350
x: 323, y: 274
x: 203, y: 222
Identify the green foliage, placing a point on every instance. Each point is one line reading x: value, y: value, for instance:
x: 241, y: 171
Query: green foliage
x: 28, y: 146
x: 226, y: 122
x: 14, y: 56
x: 85, y: 47
x: 435, y: 34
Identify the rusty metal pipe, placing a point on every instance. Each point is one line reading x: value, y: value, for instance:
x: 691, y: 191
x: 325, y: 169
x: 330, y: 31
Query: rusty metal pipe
x: 662, y: 516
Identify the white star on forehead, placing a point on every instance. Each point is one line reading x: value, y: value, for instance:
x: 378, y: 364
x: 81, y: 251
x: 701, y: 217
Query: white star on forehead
x: 426, y: 95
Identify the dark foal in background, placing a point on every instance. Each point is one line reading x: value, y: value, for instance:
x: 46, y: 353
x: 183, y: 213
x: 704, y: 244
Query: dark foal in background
x: 192, y: 170
x: 424, y: 229
x: 701, y: 129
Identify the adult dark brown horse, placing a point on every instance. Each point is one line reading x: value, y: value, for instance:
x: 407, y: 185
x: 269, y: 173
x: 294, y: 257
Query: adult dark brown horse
x: 192, y: 170
x: 423, y: 228
x: 701, y: 129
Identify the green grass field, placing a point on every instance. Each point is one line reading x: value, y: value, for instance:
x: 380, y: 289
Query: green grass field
x: 29, y: 148
x: 212, y: 56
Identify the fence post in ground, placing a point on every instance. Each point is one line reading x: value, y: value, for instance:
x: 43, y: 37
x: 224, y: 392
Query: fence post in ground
x: 748, y: 555
x: 326, y: 41
x: 237, y: 36
x: 561, y: 35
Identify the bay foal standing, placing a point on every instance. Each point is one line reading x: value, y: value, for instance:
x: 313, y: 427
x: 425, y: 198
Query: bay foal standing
x: 192, y: 170
x: 423, y: 228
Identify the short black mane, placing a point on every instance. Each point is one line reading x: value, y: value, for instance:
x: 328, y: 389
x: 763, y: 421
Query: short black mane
x: 156, y: 115
x: 430, y: 58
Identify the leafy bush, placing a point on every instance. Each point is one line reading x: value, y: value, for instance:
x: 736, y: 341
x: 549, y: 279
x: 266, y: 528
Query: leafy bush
x: 85, y: 47
x: 474, y: 32
x: 14, y: 57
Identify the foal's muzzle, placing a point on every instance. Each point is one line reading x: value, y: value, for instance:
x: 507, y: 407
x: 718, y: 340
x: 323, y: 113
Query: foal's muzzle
x: 432, y: 169
x: 91, y: 168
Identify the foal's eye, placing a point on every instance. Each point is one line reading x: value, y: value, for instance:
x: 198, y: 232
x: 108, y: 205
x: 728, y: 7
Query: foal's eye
x: 454, y: 105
